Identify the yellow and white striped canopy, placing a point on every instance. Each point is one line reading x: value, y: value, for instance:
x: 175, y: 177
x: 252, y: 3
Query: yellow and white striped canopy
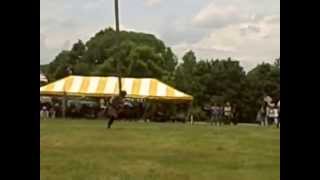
x: 107, y: 86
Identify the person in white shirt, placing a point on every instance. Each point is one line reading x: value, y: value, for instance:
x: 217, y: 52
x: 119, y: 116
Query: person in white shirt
x: 269, y: 112
x: 273, y: 113
x: 278, y: 106
x: 44, y: 113
x: 228, y: 112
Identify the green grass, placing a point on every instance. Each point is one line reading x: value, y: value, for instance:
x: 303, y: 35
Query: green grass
x: 85, y: 150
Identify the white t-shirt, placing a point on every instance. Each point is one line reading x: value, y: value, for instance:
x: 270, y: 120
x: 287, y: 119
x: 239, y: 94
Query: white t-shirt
x: 273, y: 113
x: 227, y: 110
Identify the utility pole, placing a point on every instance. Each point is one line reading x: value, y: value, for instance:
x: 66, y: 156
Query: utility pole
x: 116, y: 6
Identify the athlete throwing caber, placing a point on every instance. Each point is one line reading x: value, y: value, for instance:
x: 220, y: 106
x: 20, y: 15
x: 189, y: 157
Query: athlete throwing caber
x: 116, y: 106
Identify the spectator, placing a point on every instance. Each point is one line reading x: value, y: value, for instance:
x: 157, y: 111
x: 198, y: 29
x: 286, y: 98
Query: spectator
x: 278, y: 106
x: 44, y: 113
x: 57, y: 109
x: 274, y: 114
x: 261, y: 115
x: 228, y: 112
x: 269, y: 112
x: 214, y: 113
x: 127, y: 103
x: 220, y: 115
x: 235, y: 115
x: 52, y: 112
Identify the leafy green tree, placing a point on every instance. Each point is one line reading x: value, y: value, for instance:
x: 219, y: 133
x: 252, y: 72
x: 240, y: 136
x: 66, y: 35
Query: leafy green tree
x: 184, y: 75
x: 140, y: 55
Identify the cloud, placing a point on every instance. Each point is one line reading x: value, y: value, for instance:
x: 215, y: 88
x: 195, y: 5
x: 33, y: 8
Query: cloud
x: 123, y: 27
x: 152, y: 3
x: 274, y: 19
x: 244, y: 29
x: 46, y: 53
x: 248, y: 29
x: 250, y: 42
x: 93, y: 4
x: 180, y: 30
x: 56, y: 35
x: 217, y: 16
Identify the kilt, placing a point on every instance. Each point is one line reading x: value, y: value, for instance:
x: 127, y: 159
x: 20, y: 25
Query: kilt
x: 112, y: 112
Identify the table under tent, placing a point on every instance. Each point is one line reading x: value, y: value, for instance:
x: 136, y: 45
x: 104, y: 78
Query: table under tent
x: 148, y: 90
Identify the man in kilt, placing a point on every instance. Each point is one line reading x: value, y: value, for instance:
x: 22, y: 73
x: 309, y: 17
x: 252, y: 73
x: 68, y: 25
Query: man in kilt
x: 115, y: 107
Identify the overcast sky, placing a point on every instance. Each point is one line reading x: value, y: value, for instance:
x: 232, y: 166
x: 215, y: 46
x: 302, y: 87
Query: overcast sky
x: 248, y: 30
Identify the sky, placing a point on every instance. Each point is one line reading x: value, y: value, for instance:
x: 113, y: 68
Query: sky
x: 246, y: 30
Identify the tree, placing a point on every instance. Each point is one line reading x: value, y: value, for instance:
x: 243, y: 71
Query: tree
x: 56, y: 69
x: 82, y: 69
x: 141, y: 55
x: 216, y: 80
x: 185, y: 79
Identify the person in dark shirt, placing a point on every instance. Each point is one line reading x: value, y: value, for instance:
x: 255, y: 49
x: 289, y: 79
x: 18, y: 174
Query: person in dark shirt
x: 116, y: 105
x: 214, y: 114
x: 235, y: 115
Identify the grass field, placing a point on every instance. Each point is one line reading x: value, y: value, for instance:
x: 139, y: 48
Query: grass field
x: 84, y: 150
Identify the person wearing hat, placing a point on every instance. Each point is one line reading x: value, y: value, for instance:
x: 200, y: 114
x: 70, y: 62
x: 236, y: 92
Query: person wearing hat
x: 116, y: 105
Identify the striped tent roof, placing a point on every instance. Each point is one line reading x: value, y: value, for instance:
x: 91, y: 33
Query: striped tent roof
x: 107, y: 86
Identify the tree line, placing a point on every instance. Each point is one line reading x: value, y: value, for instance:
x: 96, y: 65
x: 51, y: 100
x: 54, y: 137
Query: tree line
x: 144, y: 55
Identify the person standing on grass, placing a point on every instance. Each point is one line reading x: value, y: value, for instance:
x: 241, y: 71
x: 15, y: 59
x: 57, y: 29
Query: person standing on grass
x: 115, y: 107
x: 261, y: 115
x: 259, y: 118
x: 268, y: 109
x: 220, y: 120
x: 235, y: 115
x: 278, y: 106
x: 44, y: 113
x: 271, y: 113
x: 57, y: 108
x: 52, y: 112
x: 268, y: 114
x: 274, y: 114
x: 227, y: 112
x: 214, y: 114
